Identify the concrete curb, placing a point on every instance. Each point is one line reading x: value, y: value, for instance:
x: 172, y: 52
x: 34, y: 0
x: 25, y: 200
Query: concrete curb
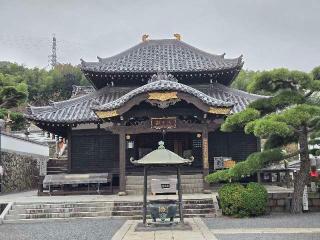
x: 119, y: 235
x: 5, y: 211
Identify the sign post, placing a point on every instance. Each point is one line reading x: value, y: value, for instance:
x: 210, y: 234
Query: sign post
x: 305, y: 199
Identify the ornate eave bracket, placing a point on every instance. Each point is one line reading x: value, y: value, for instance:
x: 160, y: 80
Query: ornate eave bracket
x: 219, y: 110
x: 107, y: 114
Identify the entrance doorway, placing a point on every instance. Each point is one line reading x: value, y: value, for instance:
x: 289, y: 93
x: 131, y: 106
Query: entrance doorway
x: 181, y: 143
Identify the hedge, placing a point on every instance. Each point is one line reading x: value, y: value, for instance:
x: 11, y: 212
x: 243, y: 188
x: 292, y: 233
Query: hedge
x: 239, y: 201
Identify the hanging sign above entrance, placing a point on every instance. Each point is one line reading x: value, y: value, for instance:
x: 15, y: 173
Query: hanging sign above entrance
x: 164, y: 123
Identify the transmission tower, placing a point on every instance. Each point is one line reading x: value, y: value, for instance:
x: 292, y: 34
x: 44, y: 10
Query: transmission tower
x: 53, y: 56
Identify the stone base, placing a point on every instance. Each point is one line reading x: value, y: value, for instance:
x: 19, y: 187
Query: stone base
x: 122, y: 193
x: 165, y: 226
x: 207, y: 191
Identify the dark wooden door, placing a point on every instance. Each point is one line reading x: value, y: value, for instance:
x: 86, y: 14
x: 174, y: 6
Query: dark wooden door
x: 94, y: 151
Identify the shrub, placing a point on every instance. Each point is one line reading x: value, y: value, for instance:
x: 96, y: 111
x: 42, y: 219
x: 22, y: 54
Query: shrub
x: 220, y: 176
x: 255, y: 198
x: 239, y: 201
x: 231, y: 199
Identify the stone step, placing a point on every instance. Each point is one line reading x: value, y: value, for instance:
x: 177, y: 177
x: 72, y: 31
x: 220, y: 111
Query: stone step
x: 35, y: 220
x: 59, y: 210
x: 116, y: 204
x: 136, y: 217
x: 134, y: 181
x: 61, y: 205
x: 166, y: 176
x: 141, y: 180
x: 126, y: 209
x: 58, y: 215
x: 185, y: 206
x: 183, y: 184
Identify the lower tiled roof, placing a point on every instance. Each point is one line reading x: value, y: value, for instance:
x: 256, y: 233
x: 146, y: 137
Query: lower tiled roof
x: 79, y: 109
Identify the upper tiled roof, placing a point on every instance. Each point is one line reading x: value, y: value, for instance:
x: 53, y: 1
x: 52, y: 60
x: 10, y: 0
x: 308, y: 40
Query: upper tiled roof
x: 171, y: 55
x: 79, y: 109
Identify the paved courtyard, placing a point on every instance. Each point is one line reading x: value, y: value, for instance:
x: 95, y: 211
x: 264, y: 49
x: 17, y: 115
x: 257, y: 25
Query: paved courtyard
x: 276, y: 227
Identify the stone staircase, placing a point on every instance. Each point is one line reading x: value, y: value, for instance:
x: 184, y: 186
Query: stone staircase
x: 57, y: 165
x: 22, y: 212
x: 190, y: 183
x: 26, y: 212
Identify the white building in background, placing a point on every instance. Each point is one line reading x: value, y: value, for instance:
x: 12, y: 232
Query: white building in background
x: 23, y: 146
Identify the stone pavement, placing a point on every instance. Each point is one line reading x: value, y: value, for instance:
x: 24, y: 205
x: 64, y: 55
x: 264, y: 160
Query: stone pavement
x: 32, y: 197
x: 199, y: 232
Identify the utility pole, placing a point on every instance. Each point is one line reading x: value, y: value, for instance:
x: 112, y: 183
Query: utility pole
x: 53, y: 56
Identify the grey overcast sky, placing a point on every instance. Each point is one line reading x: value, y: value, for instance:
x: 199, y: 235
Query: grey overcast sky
x: 269, y: 33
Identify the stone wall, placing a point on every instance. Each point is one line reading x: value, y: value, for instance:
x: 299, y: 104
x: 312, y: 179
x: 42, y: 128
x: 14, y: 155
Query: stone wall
x: 20, y: 172
x: 281, y: 202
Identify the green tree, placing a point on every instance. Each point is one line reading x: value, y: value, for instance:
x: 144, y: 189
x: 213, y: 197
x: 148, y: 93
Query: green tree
x: 243, y: 79
x: 11, y: 97
x: 287, y: 116
x: 316, y: 73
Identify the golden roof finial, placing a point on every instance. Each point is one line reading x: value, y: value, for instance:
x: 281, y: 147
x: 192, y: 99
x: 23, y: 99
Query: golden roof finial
x: 145, y: 37
x: 177, y: 36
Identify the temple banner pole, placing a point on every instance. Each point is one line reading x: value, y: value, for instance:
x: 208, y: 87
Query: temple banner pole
x: 145, y: 192
x: 205, y: 159
x: 180, y: 194
x: 122, y: 163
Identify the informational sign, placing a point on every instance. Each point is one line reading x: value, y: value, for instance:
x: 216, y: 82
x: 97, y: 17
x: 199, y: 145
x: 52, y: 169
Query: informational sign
x: 229, y: 163
x: 218, y: 162
x: 223, y: 162
x: 205, y: 153
x: 42, y: 164
x: 164, y: 123
x: 305, y: 199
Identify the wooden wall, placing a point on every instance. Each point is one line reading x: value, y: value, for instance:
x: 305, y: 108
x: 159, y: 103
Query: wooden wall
x: 237, y: 145
x: 94, y: 150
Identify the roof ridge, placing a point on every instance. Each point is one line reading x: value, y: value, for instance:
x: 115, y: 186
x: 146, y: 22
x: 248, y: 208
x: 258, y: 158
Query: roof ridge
x: 241, y: 91
x: 147, y: 87
x: 175, y: 41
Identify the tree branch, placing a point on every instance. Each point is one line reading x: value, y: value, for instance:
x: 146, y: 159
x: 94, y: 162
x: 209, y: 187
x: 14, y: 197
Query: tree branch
x: 308, y: 94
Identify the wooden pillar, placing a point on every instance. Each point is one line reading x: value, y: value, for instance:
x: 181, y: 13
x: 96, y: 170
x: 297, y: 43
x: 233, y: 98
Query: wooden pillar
x: 122, y: 164
x: 40, y: 185
x: 69, y: 136
x: 205, y: 159
x: 180, y: 194
x: 259, y: 176
x: 145, y: 192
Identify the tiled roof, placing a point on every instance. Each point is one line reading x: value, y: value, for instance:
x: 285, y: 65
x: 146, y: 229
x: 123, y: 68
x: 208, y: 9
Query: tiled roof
x: 79, y: 109
x: 78, y: 91
x: 171, y: 55
x: 164, y: 82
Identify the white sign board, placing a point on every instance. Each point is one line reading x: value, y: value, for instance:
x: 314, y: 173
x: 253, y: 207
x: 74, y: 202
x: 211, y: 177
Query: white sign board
x: 305, y: 199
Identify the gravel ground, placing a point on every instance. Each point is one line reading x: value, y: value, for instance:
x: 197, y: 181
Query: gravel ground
x: 79, y: 229
x: 305, y: 220
x: 269, y: 236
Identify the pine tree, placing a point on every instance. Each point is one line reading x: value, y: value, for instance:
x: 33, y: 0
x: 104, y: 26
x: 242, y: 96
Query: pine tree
x: 288, y: 115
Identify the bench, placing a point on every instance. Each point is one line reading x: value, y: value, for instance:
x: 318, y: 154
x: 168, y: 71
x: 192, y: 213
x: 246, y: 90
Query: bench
x: 63, y: 184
